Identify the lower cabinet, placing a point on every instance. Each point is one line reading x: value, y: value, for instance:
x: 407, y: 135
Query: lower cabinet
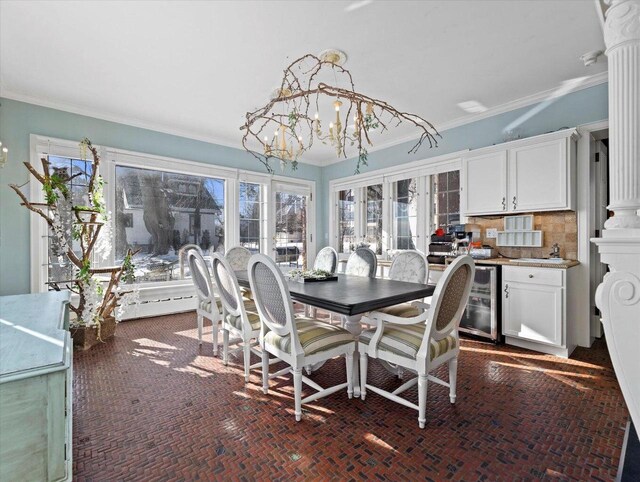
x: 534, y: 309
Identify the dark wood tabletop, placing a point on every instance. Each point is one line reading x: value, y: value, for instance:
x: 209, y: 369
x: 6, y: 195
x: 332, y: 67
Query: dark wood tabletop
x: 352, y: 295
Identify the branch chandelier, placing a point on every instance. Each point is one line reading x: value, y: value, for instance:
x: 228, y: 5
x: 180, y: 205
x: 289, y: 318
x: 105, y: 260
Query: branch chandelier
x: 287, y: 125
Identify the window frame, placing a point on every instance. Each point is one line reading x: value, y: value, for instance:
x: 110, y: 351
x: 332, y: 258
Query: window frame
x: 177, y: 293
x: 421, y: 170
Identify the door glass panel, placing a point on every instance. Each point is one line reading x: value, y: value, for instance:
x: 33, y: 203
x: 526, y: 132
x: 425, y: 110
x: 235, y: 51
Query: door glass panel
x: 158, y: 212
x: 290, y: 240
x: 373, y: 233
x: 252, y: 216
x: 446, y: 200
x: 405, y: 213
x: 346, y: 221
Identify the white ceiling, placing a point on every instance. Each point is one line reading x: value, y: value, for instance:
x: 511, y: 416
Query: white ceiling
x: 196, y: 68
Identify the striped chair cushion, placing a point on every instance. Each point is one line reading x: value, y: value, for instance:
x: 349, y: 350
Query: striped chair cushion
x: 405, y: 340
x: 206, y: 305
x: 252, y: 314
x: 236, y: 321
x: 404, y: 310
x: 314, y: 336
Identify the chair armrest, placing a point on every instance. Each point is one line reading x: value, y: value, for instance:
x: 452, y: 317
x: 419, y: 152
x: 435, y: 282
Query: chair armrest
x: 383, y: 320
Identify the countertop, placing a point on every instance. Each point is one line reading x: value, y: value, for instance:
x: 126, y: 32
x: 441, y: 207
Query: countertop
x: 507, y: 262
x: 493, y: 262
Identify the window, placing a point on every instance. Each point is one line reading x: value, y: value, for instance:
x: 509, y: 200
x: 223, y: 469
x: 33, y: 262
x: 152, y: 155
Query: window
x: 252, y: 216
x: 405, y: 214
x: 76, y: 173
x: 158, y: 212
x: 446, y: 199
x: 291, y: 229
x: 373, y: 233
x: 346, y: 221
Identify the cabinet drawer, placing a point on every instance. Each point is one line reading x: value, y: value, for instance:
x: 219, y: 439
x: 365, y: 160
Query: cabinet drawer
x: 539, y: 276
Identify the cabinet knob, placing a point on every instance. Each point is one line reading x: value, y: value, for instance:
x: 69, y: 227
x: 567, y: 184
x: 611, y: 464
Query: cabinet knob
x: 530, y: 276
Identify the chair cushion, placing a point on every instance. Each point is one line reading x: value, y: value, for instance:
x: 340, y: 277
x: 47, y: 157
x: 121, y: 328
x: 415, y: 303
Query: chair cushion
x: 236, y: 321
x: 405, y: 340
x: 314, y: 336
x: 252, y: 315
x: 404, y: 310
x: 206, y: 305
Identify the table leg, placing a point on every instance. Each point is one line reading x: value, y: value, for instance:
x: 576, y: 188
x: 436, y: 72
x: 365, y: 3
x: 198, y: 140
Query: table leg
x: 353, y: 326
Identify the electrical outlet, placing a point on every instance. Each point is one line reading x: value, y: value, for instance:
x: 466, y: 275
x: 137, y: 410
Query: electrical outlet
x: 492, y: 233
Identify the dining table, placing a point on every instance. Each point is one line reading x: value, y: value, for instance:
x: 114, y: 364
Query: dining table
x: 351, y: 297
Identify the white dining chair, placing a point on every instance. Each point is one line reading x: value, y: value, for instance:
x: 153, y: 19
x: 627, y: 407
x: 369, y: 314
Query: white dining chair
x: 326, y: 260
x: 362, y: 262
x: 299, y: 342
x: 238, y: 257
x: 239, y: 316
x: 410, y: 266
x: 424, y: 342
x: 208, y: 305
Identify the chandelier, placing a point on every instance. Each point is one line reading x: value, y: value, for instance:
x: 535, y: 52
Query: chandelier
x: 286, y: 127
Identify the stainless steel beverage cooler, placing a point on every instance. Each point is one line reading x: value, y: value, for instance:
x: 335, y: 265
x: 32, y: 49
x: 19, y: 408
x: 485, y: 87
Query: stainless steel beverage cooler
x: 481, y: 317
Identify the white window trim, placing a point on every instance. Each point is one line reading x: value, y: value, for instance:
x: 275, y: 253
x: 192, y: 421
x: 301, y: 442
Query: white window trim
x: 416, y: 169
x: 159, y: 297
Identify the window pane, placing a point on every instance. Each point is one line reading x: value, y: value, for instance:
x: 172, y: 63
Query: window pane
x: 405, y: 201
x: 158, y: 212
x: 373, y: 234
x: 446, y: 199
x: 346, y: 221
x: 75, y: 173
x: 291, y: 229
x: 252, y: 209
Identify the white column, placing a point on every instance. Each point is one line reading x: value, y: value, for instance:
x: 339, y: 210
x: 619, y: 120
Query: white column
x: 618, y: 297
x: 622, y: 39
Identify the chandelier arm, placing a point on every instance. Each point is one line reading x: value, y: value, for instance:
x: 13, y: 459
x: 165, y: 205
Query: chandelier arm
x: 295, y: 96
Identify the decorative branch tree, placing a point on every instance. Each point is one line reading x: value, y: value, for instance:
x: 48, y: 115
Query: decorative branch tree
x: 292, y: 114
x: 84, y: 224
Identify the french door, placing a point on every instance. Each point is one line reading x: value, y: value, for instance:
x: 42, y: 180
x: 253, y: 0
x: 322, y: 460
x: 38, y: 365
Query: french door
x: 290, y: 226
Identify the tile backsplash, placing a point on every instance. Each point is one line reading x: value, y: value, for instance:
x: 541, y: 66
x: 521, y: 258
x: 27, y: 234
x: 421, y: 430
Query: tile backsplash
x: 558, y: 227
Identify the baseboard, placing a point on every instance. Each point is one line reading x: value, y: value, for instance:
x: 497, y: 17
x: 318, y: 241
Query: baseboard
x: 540, y: 347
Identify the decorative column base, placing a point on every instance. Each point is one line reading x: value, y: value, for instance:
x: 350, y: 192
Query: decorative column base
x: 618, y: 298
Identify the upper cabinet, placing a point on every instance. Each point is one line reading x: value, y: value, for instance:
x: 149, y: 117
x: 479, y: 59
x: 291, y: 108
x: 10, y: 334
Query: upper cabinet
x: 534, y: 174
x: 484, y: 184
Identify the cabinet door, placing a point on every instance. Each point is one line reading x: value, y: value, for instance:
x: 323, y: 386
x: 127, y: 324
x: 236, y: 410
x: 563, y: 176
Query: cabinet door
x: 538, y: 177
x: 484, y: 184
x: 532, y: 312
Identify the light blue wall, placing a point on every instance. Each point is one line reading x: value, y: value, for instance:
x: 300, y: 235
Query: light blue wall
x: 571, y: 110
x: 18, y: 120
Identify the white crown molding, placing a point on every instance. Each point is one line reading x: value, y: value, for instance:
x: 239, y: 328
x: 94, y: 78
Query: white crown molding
x: 591, y: 81
x: 125, y: 120
x: 528, y: 100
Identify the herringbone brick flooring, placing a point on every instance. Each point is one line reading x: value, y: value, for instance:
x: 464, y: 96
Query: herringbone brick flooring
x: 150, y: 405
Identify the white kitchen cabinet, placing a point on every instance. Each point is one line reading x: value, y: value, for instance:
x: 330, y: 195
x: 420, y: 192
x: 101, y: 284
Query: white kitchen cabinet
x: 533, y: 174
x: 484, y: 183
x: 535, y: 305
x: 539, y: 177
x: 35, y: 388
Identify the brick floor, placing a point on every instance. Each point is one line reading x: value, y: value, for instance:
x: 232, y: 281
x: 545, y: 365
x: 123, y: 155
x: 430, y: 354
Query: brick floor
x: 150, y: 405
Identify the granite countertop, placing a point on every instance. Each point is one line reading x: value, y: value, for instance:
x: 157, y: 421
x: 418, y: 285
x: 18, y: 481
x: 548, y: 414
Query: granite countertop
x: 495, y: 262
x: 507, y: 262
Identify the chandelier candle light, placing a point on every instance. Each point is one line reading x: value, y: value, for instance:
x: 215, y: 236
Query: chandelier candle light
x: 293, y: 116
